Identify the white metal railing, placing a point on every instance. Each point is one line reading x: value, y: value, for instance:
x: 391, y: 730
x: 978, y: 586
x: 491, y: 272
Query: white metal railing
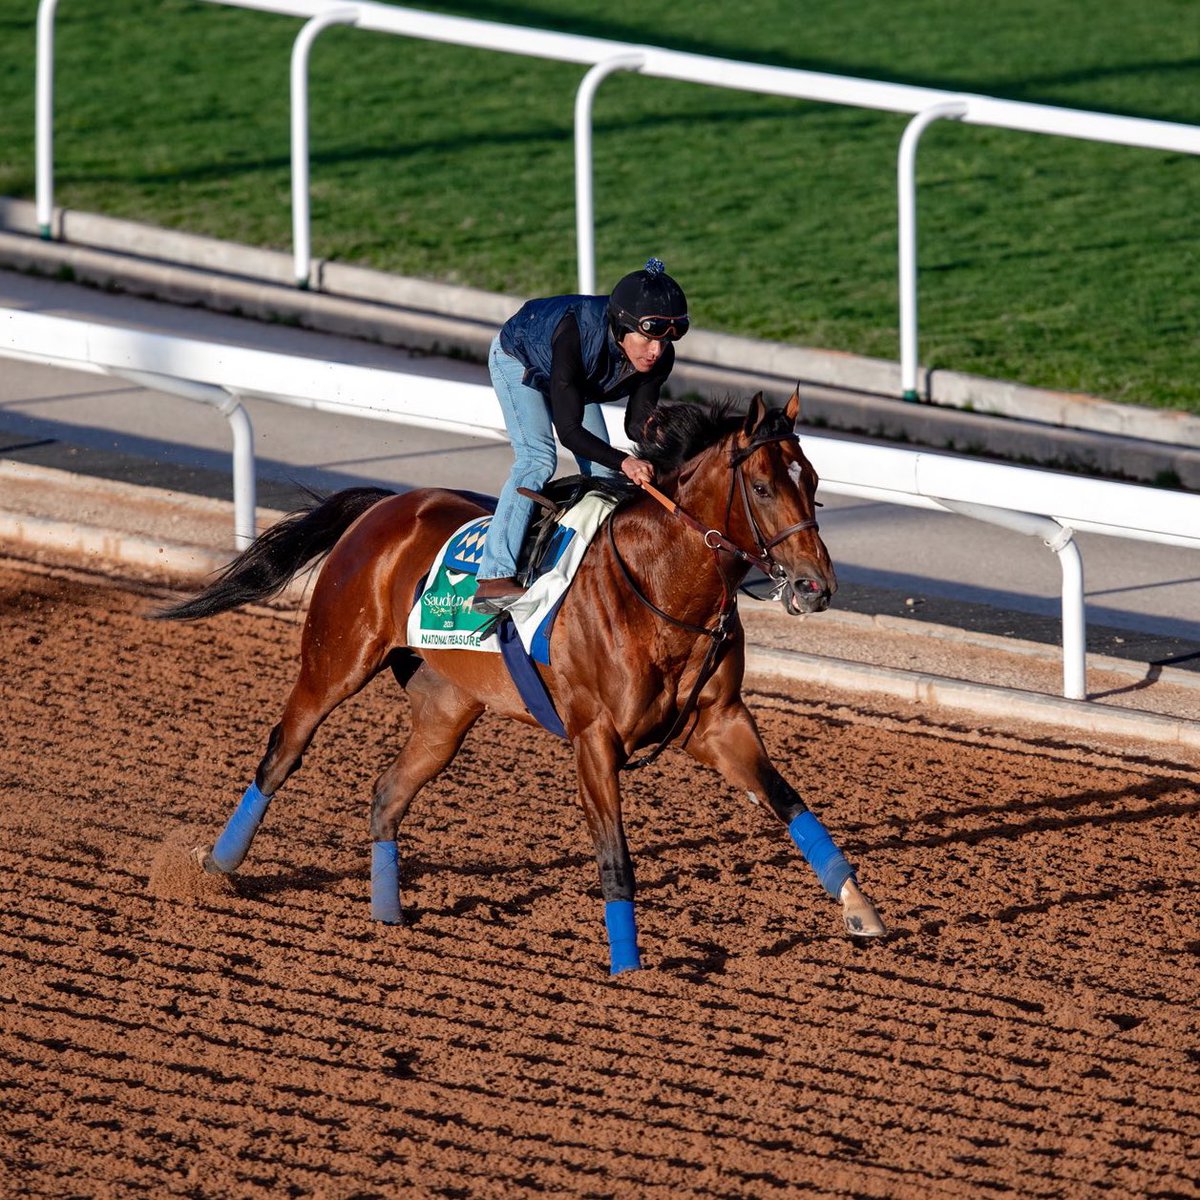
x: 301, y: 225
x: 604, y: 57
x: 1051, y: 506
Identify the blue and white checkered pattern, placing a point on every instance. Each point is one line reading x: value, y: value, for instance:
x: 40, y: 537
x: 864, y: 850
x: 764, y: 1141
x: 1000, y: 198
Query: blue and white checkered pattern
x: 466, y: 547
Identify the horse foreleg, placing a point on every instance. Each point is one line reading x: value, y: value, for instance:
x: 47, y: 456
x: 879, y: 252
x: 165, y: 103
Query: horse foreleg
x: 442, y: 714
x: 596, y: 761
x: 728, y: 740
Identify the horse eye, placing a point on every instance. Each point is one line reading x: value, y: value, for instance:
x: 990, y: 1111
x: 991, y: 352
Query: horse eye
x: 761, y: 490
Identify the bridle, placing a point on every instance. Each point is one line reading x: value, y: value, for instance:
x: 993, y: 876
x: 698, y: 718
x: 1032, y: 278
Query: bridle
x: 718, y: 542
x: 762, y: 559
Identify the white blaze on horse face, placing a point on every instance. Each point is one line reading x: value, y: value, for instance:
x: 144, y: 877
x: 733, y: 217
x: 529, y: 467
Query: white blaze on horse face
x: 796, y: 474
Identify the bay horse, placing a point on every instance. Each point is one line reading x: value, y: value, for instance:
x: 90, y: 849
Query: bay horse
x: 647, y: 647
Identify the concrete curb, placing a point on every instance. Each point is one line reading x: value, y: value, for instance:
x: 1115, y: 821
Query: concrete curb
x: 842, y: 391
x: 981, y: 700
x: 1011, y: 646
x: 89, y: 544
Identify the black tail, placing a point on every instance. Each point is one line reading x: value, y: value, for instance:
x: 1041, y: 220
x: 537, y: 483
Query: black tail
x: 276, y: 557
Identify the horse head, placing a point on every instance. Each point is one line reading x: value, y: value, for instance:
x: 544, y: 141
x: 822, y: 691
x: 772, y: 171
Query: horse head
x: 777, y: 508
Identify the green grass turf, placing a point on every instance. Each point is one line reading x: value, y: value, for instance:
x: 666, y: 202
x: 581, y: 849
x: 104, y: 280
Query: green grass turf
x: 1046, y: 261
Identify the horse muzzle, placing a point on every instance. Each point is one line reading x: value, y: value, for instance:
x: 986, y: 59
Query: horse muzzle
x: 801, y: 596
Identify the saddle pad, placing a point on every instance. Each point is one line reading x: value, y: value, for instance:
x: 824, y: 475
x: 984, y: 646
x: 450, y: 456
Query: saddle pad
x: 442, y: 618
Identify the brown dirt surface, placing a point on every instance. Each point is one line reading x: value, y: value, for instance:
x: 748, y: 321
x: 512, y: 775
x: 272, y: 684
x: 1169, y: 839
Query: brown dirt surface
x: 1029, y: 1029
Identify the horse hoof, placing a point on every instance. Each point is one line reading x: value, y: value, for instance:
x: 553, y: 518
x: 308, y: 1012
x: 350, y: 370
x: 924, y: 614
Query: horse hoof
x: 202, y: 857
x: 862, y: 921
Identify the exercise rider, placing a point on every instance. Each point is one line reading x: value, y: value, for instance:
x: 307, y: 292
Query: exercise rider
x: 552, y: 364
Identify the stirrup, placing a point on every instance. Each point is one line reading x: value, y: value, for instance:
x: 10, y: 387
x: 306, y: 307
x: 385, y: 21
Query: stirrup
x: 494, y: 606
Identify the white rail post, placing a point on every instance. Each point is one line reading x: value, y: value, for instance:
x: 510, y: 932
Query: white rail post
x: 906, y: 180
x: 1060, y: 539
x: 245, y: 498
x: 44, y: 118
x: 584, y: 210
x: 1074, y: 614
x: 301, y: 243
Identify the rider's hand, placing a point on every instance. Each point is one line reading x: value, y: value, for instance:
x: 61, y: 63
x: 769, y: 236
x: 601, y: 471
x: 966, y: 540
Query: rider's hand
x: 637, y: 469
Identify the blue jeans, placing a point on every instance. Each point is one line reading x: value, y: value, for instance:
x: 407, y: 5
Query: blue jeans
x: 527, y: 419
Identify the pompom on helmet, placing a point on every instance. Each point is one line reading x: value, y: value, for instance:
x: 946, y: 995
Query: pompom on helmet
x: 649, y: 302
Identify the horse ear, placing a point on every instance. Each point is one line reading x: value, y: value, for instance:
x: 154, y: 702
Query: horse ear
x: 754, y: 414
x: 793, y: 405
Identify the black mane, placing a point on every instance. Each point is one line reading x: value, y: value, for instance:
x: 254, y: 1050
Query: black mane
x: 676, y: 433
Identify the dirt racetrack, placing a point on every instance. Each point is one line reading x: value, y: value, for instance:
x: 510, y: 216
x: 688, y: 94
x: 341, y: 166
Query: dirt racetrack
x: 1030, y: 1029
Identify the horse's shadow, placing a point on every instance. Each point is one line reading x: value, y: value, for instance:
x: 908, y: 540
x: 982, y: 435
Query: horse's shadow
x: 708, y: 960
x: 295, y: 879
x: 319, y: 879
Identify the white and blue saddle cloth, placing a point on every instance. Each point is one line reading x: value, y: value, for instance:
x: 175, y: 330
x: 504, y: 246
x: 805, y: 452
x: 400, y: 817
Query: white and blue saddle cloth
x: 441, y: 618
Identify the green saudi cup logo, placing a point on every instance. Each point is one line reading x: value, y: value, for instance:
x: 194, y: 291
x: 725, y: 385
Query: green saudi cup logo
x: 446, y: 603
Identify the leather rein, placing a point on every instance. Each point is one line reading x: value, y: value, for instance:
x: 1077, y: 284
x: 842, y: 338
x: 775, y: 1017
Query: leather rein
x: 717, y: 542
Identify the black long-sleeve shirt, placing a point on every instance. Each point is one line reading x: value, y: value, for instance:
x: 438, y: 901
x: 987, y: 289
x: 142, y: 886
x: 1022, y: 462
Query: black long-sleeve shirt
x: 570, y: 390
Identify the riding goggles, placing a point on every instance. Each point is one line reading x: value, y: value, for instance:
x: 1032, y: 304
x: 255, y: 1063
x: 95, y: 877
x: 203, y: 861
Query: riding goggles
x: 657, y: 328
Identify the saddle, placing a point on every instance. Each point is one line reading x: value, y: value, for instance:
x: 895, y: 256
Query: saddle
x: 553, y: 501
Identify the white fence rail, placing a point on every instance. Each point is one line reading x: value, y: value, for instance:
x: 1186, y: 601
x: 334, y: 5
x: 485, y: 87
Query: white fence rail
x: 604, y: 57
x: 1052, y: 506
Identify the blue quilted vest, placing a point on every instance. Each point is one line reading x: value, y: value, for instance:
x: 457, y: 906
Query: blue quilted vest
x: 527, y: 336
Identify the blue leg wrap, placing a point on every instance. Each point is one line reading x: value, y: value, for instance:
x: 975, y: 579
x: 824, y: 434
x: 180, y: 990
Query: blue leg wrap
x: 385, y: 883
x: 239, y: 832
x: 823, y: 856
x: 622, y: 936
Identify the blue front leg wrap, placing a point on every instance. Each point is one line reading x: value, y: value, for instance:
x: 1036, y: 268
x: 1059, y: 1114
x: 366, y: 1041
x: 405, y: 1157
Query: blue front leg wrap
x: 622, y: 936
x: 823, y: 856
x: 385, y: 883
x: 239, y: 832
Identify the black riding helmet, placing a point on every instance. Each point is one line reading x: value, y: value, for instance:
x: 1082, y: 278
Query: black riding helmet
x: 649, y: 302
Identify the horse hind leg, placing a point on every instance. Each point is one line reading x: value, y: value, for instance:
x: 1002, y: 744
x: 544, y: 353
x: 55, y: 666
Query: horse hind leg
x: 442, y: 715
x: 327, y: 678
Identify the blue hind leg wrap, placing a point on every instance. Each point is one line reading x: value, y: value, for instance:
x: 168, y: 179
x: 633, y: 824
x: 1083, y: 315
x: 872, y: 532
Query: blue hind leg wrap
x: 823, y: 856
x: 385, y: 883
x: 239, y: 832
x: 622, y: 936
